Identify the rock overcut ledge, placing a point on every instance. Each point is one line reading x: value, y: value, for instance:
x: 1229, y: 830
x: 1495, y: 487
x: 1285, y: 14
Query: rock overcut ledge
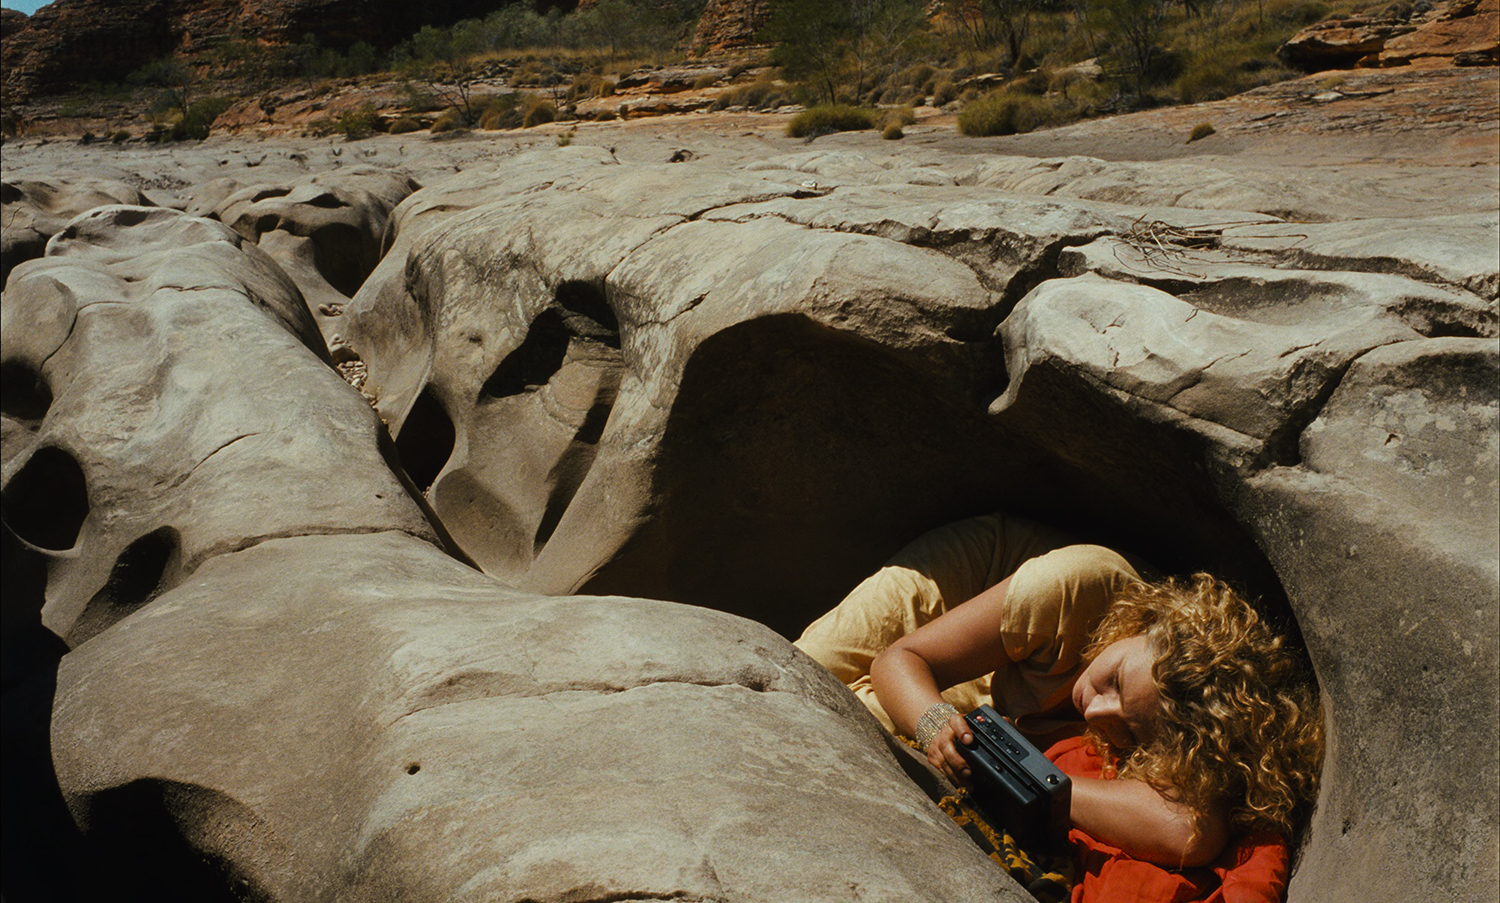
x: 428, y: 668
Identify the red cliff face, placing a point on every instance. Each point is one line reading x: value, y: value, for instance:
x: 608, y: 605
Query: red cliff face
x: 729, y: 25
x: 1453, y: 33
x: 74, y: 42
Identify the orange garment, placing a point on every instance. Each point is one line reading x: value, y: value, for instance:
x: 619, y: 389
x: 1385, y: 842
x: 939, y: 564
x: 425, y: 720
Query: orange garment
x: 1253, y: 869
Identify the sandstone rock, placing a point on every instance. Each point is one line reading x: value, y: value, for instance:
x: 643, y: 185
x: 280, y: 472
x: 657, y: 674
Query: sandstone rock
x: 1163, y: 184
x: 1009, y: 241
x: 32, y: 211
x: 1254, y: 378
x: 1407, y: 425
x: 1459, y: 250
x: 1466, y: 32
x: 1341, y: 43
x: 729, y: 25
x: 325, y: 230
x: 1458, y: 32
x: 1336, y: 512
x: 73, y: 42
x: 508, y: 746
x: 670, y: 79
x: 739, y: 389
x: 134, y: 318
x: 1423, y: 564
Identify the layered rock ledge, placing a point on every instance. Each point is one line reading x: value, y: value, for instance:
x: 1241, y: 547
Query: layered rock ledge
x: 508, y: 620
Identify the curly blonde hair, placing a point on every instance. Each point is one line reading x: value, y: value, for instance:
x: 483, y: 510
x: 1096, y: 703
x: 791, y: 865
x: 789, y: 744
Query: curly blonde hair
x: 1242, y: 722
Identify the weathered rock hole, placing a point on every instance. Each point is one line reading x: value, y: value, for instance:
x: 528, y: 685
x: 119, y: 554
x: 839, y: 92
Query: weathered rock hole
x: 47, y: 500
x: 327, y: 200
x: 1438, y: 321
x: 24, y: 394
x: 136, y: 579
x: 340, y: 256
x: 130, y: 217
x: 413, y: 768
x: 10, y: 193
x: 534, y: 361
x: 580, y: 318
x: 169, y: 842
x: 28, y: 646
x: 267, y: 193
x: 426, y: 440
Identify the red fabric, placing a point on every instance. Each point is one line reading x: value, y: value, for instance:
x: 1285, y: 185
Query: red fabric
x: 1252, y: 869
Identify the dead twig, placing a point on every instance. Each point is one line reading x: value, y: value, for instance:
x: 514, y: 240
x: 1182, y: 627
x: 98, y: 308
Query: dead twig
x: 1163, y: 246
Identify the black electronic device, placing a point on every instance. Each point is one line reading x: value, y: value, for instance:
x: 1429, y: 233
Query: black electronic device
x: 1014, y: 783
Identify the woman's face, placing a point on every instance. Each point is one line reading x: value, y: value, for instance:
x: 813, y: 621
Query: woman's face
x: 1116, y: 694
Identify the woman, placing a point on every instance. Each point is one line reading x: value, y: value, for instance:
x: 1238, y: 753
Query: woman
x: 1206, y: 723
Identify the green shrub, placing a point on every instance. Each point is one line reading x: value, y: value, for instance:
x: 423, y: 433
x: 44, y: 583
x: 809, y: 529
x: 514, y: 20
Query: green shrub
x: 120, y: 137
x: 1034, y: 82
x: 1004, y: 113
x: 893, y: 132
x: 830, y: 118
x: 200, y: 117
x: 1200, y: 131
x: 915, y: 76
x: 404, y: 125
x: 945, y: 93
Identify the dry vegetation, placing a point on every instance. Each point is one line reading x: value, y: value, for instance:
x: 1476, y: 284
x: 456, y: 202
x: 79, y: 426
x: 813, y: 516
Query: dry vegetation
x: 1004, y: 66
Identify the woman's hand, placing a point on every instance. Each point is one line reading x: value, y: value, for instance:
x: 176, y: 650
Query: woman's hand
x: 943, y: 752
x: 911, y: 674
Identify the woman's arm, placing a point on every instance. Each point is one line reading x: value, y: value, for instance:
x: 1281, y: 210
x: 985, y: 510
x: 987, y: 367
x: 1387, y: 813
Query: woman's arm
x: 1133, y: 816
x: 961, y: 644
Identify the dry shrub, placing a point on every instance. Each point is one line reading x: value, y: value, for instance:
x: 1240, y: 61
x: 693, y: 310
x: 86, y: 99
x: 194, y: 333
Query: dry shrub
x: 830, y: 118
x: 447, y: 122
x: 539, y: 111
x: 897, y: 116
x: 1004, y: 113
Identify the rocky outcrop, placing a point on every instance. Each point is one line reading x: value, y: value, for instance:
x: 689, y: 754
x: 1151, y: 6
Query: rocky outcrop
x: 34, y: 210
x: 1142, y: 346
x: 69, y: 43
x: 729, y: 25
x: 324, y: 230
x: 428, y: 668
x: 1458, y: 32
x: 334, y: 706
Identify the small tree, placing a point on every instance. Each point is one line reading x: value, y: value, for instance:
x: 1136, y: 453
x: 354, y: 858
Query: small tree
x: 811, y: 42
x: 1135, y: 27
x: 175, y: 81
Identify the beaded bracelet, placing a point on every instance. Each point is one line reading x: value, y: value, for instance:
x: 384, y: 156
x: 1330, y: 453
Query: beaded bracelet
x: 931, y: 722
